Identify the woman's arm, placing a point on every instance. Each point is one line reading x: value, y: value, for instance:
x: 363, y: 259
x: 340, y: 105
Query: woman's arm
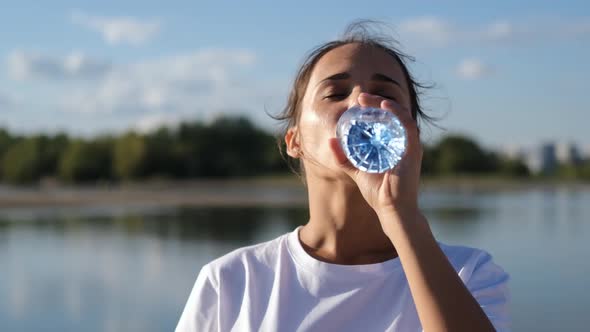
x: 442, y: 300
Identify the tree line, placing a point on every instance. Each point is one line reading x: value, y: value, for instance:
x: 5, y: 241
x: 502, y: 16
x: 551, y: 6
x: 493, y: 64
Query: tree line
x: 227, y: 147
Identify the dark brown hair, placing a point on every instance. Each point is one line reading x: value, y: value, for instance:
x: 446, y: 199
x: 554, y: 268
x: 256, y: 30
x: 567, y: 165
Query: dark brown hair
x: 359, y: 32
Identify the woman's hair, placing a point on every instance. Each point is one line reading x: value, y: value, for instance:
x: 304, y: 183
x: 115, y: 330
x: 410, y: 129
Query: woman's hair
x: 358, y: 32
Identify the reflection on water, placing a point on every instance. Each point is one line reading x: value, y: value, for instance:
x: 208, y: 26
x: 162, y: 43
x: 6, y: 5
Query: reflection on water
x: 132, y: 268
x: 183, y: 224
x: 121, y: 272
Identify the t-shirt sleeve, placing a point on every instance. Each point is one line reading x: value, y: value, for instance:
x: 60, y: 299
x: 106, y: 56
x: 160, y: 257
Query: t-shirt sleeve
x: 201, y: 310
x: 489, y: 286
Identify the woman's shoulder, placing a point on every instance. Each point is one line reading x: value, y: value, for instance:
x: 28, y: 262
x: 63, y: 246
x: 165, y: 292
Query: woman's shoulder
x: 462, y: 254
x: 472, y: 263
x: 260, y: 255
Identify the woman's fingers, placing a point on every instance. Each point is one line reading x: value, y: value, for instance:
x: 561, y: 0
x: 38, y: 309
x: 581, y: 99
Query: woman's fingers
x: 369, y: 100
x: 405, y: 117
x: 414, y: 146
x: 401, y: 112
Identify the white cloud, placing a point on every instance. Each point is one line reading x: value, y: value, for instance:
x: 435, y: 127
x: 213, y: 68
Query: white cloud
x: 438, y: 32
x: 499, y: 30
x: 198, y: 83
x: 148, y: 93
x: 431, y: 30
x: 119, y: 30
x: 23, y: 65
x: 472, y: 69
x: 154, y: 121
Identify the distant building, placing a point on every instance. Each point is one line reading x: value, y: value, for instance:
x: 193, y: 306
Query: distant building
x: 545, y: 158
x: 568, y: 153
x: 542, y: 159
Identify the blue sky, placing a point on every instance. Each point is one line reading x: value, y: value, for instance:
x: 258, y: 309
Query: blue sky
x: 507, y: 73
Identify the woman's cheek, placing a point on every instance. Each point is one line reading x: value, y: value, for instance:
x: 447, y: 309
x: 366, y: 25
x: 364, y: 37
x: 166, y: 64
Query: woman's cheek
x: 316, y: 129
x: 308, y: 127
x: 317, y: 122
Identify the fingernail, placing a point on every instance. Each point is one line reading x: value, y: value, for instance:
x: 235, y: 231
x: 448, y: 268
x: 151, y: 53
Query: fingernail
x: 388, y: 102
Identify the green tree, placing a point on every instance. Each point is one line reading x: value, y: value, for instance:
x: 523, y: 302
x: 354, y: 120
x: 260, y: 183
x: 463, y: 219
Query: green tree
x: 235, y: 148
x: 459, y: 154
x: 84, y: 161
x: 429, y: 160
x: 192, y: 137
x: 51, y: 149
x: 129, y: 157
x: 513, y: 168
x: 583, y: 172
x: 22, y: 162
x: 163, y: 155
x: 275, y: 161
x: 6, y: 140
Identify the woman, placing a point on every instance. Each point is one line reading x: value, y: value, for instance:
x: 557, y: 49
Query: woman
x: 366, y: 260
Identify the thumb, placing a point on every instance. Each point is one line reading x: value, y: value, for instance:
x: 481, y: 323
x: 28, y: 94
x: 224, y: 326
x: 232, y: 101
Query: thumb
x: 341, y: 158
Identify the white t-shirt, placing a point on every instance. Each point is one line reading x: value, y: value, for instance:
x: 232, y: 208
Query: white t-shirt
x: 278, y: 286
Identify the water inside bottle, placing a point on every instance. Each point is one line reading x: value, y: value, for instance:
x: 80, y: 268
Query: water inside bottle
x: 373, y: 139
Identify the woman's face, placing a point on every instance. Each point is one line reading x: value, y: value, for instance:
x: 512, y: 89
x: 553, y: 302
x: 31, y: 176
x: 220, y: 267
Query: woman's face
x: 335, y: 84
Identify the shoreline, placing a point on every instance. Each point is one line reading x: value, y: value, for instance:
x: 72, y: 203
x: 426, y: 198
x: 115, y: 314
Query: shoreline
x: 282, y: 191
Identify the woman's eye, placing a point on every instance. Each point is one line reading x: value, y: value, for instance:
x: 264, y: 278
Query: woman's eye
x: 336, y: 96
x: 384, y: 95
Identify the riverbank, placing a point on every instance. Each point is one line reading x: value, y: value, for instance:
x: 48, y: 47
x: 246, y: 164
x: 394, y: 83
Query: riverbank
x: 261, y: 191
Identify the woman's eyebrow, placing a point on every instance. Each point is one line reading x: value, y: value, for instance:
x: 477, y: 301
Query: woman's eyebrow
x: 376, y: 77
x: 384, y: 78
x: 336, y: 77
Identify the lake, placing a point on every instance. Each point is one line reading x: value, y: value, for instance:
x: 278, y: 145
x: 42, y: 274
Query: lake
x: 131, y: 268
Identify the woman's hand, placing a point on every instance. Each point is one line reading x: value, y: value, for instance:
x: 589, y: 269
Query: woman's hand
x: 395, y: 192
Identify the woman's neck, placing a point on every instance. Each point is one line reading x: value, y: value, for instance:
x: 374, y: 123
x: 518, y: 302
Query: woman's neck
x: 343, y: 228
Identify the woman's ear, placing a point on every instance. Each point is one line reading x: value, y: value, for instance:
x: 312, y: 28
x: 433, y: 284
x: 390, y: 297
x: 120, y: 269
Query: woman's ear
x: 292, y: 142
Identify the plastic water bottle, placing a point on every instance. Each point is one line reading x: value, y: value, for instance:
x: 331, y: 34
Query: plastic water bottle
x: 373, y: 139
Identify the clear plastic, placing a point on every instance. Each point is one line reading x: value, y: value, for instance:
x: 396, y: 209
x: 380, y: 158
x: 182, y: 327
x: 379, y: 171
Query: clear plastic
x: 373, y: 139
